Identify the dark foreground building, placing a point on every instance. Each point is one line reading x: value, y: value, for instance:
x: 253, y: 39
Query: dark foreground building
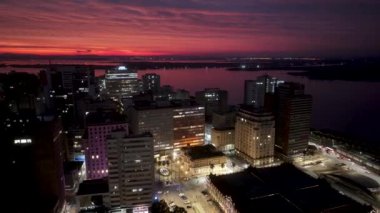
x: 277, y: 189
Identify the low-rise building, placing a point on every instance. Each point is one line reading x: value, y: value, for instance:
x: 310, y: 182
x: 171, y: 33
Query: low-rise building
x: 282, y: 188
x: 202, y: 160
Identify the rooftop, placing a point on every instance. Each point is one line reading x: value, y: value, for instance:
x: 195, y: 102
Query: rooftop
x: 148, y: 105
x: 199, y: 152
x: 282, y: 189
x: 104, y: 117
x: 91, y: 187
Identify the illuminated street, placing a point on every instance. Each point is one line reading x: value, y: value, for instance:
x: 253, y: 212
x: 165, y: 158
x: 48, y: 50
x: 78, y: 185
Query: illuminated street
x: 326, y: 163
x: 192, y: 189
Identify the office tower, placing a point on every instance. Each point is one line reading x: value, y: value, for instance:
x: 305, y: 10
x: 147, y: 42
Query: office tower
x: 61, y: 83
x: 131, y: 171
x: 156, y: 120
x: 293, y: 118
x: 98, y: 126
x: 214, y: 99
x: 32, y: 157
x: 255, y: 90
x: 188, y: 126
x: 249, y: 92
x: 151, y: 82
x: 254, y: 135
x: 121, y: 82
x: 172, y: 125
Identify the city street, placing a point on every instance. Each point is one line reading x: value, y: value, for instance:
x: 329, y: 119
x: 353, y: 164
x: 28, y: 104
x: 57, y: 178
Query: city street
x: 192, y: 189
x: 329, y: 162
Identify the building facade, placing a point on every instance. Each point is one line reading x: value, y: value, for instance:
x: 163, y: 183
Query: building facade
x: 121, y: 83
x: 157, y: 121
x: 200, y: 161
x: 223, y: 138
x: 214, y: 99
x: 293, y: 119
x: 172, y: 125
x: 131, y: 171
x: 188, y: 126
x: 255, y: 90
x: 99, y: 125
x: 151, y: 82
x: 254, y: 135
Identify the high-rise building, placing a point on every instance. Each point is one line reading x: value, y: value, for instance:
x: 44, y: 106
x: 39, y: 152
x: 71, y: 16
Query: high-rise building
x: 214, y: 99
x: 254, y: 135
x: 188, y: 126
x: 151, y: 82
x: 131, y: 171
x: 121, y: 82
x: 98, y: 126
x: 255, y: 90
x: 156, y: 120
x: 172, y: 125
x: 61, y: 83
x: 293, y: 118
x: 33, y: 162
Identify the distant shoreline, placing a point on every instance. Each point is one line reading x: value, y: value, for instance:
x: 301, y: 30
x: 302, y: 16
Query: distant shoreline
x: 361, y: 70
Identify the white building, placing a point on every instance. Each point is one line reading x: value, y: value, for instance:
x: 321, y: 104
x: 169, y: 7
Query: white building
x: 254, y: 136
x: 121, y: 83
x: 131, y: 171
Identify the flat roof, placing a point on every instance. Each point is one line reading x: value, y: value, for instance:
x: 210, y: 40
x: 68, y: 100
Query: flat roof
x: 90, y: 187
x: 199, y: 152
x: 282, y: 188
x: 104, y: 117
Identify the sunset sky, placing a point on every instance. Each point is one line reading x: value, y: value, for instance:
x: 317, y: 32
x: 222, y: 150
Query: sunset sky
x: 196, y: 27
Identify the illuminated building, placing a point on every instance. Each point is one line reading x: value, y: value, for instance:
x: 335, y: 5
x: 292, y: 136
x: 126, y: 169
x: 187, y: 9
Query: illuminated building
x: 151, y: 82
x: 173, y: 125
x: 199, y: 161
x: 131, y: 171
x: 61, y: 83
x: 281, y: 188
x: 121, y: 83
x: 223, y: 138
x: 98, y: 126
x: 254, y: 135
x: 293, y: 119
x: 255, y: 90
x: 188, y: 126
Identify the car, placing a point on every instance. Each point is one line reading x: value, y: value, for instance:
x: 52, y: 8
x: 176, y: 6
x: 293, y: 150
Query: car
x: 181, y: 194
x: 187, y: 202
x: 189, y: 207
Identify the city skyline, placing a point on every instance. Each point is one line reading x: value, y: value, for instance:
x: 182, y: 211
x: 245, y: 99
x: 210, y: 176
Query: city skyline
x: 220, y: 28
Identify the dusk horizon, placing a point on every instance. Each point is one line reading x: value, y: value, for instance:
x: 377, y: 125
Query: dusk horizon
x: 165, y: 28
